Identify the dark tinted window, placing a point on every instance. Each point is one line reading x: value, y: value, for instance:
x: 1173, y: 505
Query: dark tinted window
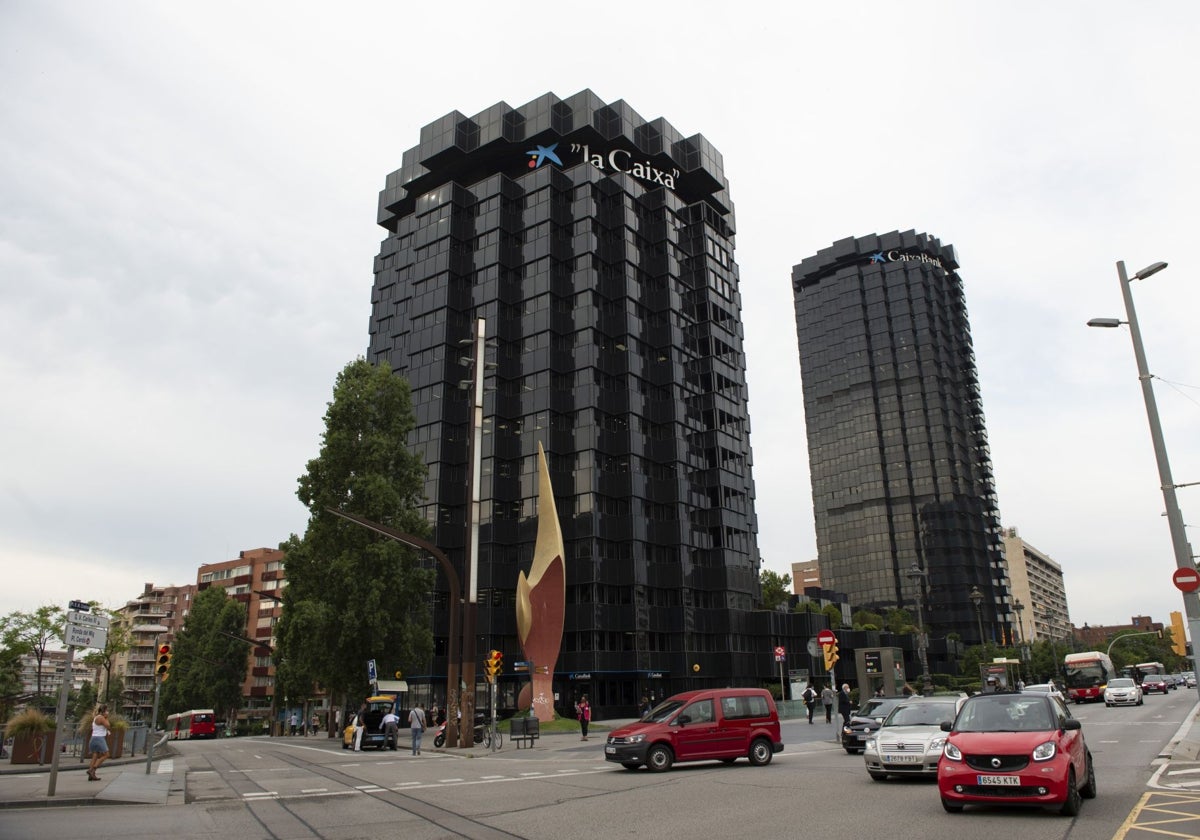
x: 744, y: 707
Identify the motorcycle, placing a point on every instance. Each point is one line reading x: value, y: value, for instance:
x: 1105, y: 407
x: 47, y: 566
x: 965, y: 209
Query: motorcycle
x: 439, y: 735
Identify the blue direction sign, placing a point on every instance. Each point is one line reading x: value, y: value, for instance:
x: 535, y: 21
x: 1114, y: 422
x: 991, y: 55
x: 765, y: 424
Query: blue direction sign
x: 372, y: 676
x: 522, y: 665
x: 82, y: 606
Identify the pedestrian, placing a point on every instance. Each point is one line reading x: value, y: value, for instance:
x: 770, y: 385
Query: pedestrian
x: 416, y: 724
x: 98, y: 745
x: 294, y: 722
x: 391, y: 727
x: 315, y: 723
x: 879, y: 691
x: 645, y: 706
x: 810, y: 702
x: 583, y: 711
x: 827, y: 702
x: 360, y: 726
x: 844, y: 708
x: 432, y: 715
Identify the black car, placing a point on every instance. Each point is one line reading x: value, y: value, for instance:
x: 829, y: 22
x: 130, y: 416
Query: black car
x: 865, y: 722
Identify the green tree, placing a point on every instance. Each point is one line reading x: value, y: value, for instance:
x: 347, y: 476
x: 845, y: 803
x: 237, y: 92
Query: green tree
x: 34, y: 633
x: 900, y: 620
x: 867, y: 620
x: 208, y: 657
x: 84, y: 701
x: 834, y: 613
x: 353, y: 595
x: 776, y: 589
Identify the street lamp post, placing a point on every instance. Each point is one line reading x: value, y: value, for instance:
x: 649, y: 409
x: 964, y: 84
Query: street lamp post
x: 1021, y: 646
x: 917, y: 575
x: 1183, y: 559
x: 977, y: 599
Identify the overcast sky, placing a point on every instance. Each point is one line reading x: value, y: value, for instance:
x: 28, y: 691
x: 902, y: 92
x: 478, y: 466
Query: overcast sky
x: 187, y: 229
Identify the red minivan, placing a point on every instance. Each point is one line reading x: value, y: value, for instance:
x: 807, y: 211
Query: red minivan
x: 722, y: 724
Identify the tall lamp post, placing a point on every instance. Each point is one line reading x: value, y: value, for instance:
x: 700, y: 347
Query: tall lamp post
x: 977, y: 599
x: 917, y: 575
x: 1020, y: 608
x: 1183, y: 559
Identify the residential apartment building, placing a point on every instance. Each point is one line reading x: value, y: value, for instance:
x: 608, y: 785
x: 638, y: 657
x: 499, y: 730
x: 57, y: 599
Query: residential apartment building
x: 152, y: 618
x: 1038, y: 590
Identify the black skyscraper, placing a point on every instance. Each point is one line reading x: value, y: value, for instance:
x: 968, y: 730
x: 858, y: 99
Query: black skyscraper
x: 901, y: 471
x: 598, y: 247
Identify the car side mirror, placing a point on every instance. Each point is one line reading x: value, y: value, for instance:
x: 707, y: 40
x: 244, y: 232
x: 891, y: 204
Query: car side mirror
x: 1072, y: 723
x: 947, y: 726
x: 683, y: 720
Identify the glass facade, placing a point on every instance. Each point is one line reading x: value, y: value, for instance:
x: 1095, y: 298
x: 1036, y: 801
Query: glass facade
x: 901, y: 471
x: 598, y: 247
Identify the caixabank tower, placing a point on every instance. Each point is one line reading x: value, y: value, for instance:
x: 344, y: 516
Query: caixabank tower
x: 597, y: 247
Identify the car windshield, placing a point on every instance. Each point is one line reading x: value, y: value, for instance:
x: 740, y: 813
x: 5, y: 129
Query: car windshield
x: 1008, y: 714
x: 662, y: 711
x: 920, y: 714
x: 878, y: 707
x: 1120, y: 683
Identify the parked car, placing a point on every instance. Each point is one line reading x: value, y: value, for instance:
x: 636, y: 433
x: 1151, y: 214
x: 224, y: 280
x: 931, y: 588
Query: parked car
x: 1045, y: 688
x: 723, y: 724
x: 1122, y: 691
x: 1189, y: 680
x: 1015, y: 749
x: 909, y: 741
x: 865, y: 722
x: 373, y: 735
x: 1155, y: 682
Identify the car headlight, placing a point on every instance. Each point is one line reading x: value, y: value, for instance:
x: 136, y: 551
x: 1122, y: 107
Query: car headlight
x: 847, y: 730
x: 936, y: 744
x: 951, y: 752
x: 870, y: 743
x: 635, y: 739
x: 1045, y: 751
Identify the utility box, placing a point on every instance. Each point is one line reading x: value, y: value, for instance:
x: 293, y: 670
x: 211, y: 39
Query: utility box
x: 880, y: 668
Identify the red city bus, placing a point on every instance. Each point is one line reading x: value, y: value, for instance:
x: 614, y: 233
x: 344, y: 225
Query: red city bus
x: 197, y: 723
x: 1087, y: 675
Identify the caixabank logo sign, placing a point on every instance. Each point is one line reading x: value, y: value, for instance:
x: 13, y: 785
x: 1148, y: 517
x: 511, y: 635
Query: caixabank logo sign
x: 609, y: 160
x: 896, y: 255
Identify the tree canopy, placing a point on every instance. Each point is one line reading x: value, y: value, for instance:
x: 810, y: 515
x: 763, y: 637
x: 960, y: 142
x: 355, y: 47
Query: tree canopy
x: 776, y: 589
x: 353, y: 595
x: 208, y: 658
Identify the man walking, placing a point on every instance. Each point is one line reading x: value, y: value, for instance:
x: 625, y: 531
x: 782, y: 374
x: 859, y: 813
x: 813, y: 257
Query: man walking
x: 810, y: 702
x: 416, y: 724
x: 844, y: 707
x: 827, y: 702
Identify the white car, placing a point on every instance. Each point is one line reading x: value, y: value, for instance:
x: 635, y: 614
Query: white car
x: 1122, y: 691
x: 1044, y: 688
x: 910, y: 740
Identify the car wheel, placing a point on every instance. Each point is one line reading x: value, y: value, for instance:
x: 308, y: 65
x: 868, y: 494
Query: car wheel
x: 760, y: 753
x: 659, y: 758
x: 879, y: 777
x: 1108, y: 705
x: 1071, y: 805
x: 950, y: 807
x: 1088, y: 791
x: 631, y: 765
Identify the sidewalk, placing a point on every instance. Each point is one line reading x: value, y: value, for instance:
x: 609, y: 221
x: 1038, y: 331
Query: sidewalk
x: 122, y: 782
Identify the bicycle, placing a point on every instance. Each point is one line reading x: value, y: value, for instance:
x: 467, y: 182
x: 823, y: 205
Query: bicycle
x: 483, y: 735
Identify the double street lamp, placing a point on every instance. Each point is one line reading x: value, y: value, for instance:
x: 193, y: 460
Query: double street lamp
x: 1179, y: 543
x: 977, y: 599
x: 917, y: 575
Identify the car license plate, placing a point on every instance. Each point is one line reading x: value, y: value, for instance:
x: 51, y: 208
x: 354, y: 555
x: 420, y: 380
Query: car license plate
x: 901, y: 758
x: 610, y: 750
x: 999, y: 781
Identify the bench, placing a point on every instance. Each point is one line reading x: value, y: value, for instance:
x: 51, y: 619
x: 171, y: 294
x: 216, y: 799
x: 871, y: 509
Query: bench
x: 524, y: 730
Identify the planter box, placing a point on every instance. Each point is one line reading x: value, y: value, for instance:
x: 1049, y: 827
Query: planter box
x: 33, y: 749
x: 116, y: 744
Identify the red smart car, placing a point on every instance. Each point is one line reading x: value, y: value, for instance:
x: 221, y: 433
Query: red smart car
x: 1015, y: 749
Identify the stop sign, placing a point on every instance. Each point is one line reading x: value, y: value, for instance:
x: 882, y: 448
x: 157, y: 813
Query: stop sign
x: 826, y: 637
x: 1186, y: 580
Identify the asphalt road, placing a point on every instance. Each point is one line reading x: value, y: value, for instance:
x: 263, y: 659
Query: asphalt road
x: 309, y: 788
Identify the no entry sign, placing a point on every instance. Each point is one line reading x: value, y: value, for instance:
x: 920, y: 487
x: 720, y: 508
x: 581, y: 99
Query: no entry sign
x: 826, y: 637
x: 1186, y: 580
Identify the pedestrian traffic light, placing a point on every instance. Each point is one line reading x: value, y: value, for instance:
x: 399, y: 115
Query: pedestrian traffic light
x: 164, y: 660
x: 831, y: 655
x: 493, y: 664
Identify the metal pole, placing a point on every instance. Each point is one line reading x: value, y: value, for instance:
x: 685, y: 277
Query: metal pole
x: 60, y: 721
x: 475, y: 457
x: 1191, y: 600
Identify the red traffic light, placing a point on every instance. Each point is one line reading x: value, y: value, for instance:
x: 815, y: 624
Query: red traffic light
x: 164, y: 649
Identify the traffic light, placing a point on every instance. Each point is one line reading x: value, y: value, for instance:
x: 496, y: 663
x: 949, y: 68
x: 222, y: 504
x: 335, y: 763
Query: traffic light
x: 493, y: 664
x: 163, y: 664
x: 831, y: 655
x: 1178, y: 639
